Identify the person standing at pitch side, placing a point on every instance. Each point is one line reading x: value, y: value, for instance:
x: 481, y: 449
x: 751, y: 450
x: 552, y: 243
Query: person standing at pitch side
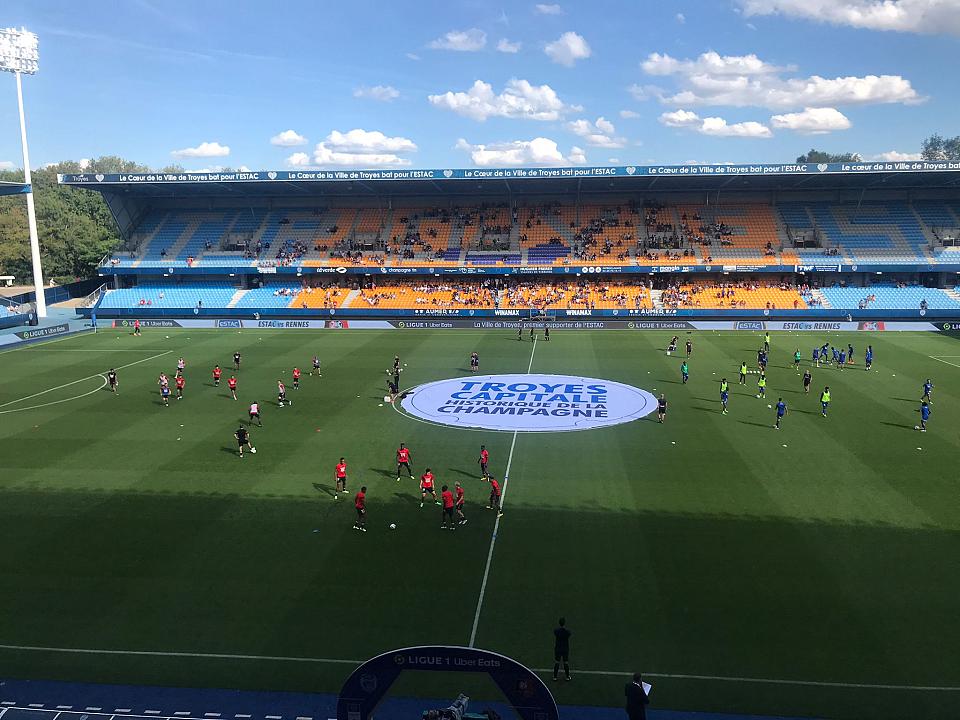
x: 561, y: 649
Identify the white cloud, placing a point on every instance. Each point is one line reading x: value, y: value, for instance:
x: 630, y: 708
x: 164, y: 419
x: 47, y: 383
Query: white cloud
x: 639, y: 92
x: 299, y: 159
x: 356, y: 148
x: 681, y: 18
x: 746, y: 80
x: 894, y: 156
x: 544, y: 9
x: 680, y: 118
x: 383, y: 93
x: 629, y: 114
x: 597, y: 134
x: 83, y: 164
x: 8, y: 165
x: 812, y: 121
x: 288, y: 138
x: 539, y: 151
x: 461, y: 40
x: 505, y: 46
x: 567, y: 49
x: 204, y: 149
x: 708, y: 63
x: 412, y: 56
x: 918, y: 16
x: 715, y: 126
x: 519, y: 99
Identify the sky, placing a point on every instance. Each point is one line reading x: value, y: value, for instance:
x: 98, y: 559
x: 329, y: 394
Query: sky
x: 468, y: 83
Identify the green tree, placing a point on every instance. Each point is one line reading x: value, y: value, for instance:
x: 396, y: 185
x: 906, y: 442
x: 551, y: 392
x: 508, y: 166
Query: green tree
x: 75, y: 227
x: 936, y: 147
x: 821, y: 156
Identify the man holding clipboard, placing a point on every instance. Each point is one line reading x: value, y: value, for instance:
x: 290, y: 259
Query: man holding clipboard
x: 637, y: 693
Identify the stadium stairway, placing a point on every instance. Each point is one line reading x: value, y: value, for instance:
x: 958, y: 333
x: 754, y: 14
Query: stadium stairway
x: 188, y: 232
x: 237, y: 296
x: 822, y: 299
x: 952, y: 293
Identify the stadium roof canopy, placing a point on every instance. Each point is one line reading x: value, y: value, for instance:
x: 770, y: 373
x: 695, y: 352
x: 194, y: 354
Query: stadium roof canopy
x: 479, y: 182
x: 13, y: 188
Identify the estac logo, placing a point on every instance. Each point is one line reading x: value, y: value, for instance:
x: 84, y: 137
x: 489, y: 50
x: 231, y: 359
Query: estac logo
x: 528, y: 403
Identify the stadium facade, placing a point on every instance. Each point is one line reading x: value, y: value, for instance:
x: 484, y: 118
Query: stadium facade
x: 852, y: 241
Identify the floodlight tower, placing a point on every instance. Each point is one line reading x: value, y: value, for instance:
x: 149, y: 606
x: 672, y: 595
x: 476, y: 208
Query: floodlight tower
x: 19, y: 55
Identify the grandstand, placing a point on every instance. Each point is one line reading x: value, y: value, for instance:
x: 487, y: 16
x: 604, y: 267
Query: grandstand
x: 811, y: 242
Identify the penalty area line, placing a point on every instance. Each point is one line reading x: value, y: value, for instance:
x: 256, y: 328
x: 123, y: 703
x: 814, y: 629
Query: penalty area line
x: 496, y: 523
x: 338, y: 661
x: 89, y: 377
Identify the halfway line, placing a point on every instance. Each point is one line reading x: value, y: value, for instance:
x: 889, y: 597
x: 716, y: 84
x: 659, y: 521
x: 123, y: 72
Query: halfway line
x: 496, y: 523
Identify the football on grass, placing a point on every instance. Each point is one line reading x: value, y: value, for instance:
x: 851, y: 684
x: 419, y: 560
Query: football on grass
x: 253, y: 450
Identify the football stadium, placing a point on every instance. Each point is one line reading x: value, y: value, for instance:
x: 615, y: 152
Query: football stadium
x: 343, y: 443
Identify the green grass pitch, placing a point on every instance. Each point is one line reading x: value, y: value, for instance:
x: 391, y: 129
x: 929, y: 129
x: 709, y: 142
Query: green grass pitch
x: 710, y: 546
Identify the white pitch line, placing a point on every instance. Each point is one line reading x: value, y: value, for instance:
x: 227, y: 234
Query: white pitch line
x: 334, y: 661
x: 945, y: 362
x: 57, y: 402
x: 767, y: 681
x: 496, y: 523
x: 89, y: 377
x: 38, y: 343
x: 161, y: 653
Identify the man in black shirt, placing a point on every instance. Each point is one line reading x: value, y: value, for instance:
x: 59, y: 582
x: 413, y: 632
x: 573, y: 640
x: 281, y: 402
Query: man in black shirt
x: 636, y: 698
x: 561, y: 649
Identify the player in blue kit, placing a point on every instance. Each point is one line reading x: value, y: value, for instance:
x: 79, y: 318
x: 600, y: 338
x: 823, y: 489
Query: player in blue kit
x: 724, y: 395
x: 816, y: 356
x: 841, y: 359
x: 868, y: 358
x: 924, y: 416
x: 781, y: 411
x: 927, y: 389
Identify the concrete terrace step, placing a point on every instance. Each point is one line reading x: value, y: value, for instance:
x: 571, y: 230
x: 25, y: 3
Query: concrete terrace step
x: 237, y: 296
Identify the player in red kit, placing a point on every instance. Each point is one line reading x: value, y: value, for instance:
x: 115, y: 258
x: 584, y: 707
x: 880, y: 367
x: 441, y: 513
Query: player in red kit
x: 180, y: 383
x: 217, y: 372
x: 360, y: 503
x: 232, y: 384
x: 484, y: 459
x: 461, y: 518
x: 446, y: 498
x: 494, y: 496
x: 296, y: 378
x: 340, y: 478
x: 426, y: 486
x: 403, y: 461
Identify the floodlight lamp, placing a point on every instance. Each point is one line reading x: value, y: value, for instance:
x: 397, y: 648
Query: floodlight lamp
x: 19, y: 51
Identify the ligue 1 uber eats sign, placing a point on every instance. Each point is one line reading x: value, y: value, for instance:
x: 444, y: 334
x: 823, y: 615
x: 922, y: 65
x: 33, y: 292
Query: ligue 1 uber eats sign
x: 528, y: 403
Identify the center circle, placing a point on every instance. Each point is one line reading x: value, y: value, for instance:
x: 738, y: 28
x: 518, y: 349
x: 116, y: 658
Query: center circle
x: 528, y: 403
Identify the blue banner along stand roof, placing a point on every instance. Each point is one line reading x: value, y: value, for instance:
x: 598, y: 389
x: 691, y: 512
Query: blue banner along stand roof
x: 220, y: 270
x: 13, y: 188
x: 282, y: 176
